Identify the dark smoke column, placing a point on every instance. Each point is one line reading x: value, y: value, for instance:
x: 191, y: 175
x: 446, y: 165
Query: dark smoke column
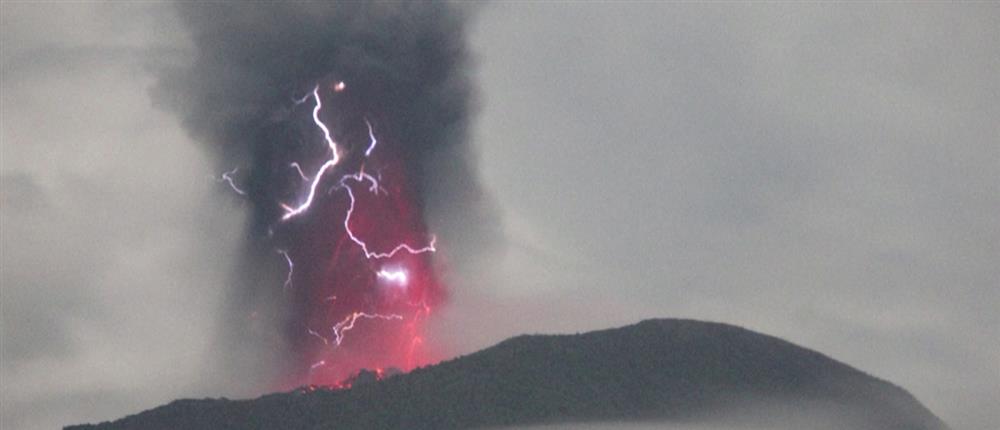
x: 346, y: 124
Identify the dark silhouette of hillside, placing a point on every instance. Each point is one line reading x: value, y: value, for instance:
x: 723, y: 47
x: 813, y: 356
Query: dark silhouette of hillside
x: 670, y: 370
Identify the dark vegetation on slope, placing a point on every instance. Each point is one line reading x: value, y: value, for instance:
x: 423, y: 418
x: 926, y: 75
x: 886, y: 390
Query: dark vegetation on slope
x: 656, y: 370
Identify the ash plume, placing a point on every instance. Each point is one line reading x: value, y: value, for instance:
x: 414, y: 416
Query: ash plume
x: 245, y: 95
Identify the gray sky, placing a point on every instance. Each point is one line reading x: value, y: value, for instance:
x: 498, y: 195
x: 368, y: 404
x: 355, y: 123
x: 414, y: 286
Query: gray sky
x: 826, y: 174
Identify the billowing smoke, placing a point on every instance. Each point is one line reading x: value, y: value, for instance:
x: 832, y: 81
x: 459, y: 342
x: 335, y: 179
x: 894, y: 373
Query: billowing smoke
x: 340, y: 127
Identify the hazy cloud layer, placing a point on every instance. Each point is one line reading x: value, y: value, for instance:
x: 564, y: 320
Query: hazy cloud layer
x: 826, y: 174
x: 112, y: 249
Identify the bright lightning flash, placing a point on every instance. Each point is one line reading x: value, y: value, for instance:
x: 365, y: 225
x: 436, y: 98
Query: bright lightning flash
x: 329, y: 164
x: 364, y: 246
x: 397, y: 276
x: 392, y: 275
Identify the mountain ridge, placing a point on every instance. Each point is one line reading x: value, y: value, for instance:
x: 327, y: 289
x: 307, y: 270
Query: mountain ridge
x: 672, y: 370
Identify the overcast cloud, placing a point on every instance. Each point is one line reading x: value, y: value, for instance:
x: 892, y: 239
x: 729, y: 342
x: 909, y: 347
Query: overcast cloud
x: 826, y: 174
x: 112, y: 248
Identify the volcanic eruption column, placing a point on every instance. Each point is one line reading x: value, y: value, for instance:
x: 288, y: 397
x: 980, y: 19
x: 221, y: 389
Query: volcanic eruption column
x: 337, y: 124
x: 396, y: 294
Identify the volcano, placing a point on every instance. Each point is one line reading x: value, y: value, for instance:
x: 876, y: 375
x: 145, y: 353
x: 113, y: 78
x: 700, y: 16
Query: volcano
x: 666, y: 371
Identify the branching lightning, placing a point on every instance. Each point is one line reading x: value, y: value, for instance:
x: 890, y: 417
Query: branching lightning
x: 228, y: 178
x: 394, y: 275
x: 364, y: 246
x: 339, y: 145
x: 329, y: 164
x: 347, y: 324
x: 361, y: 176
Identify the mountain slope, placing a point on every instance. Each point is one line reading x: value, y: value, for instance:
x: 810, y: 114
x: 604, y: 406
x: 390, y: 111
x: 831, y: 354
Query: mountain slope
x: 672, y: 370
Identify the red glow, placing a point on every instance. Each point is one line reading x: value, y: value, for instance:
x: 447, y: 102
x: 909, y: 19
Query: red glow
x: 346, y: 317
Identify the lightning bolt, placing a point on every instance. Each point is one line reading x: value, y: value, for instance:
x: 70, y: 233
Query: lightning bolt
x: 341, y: 328
x: 325, y: 341
x: 298, y: 168
x: 371, y: 137
x: 301, y: 100
x: 228, y: 178
x: 291, y: 268
x: 361, y: 176
x: 364, y: 181
x: 364, y: 246
x: 329, y: 164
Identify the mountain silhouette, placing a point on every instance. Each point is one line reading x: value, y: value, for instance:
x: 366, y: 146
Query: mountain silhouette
x: 666, y: 371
